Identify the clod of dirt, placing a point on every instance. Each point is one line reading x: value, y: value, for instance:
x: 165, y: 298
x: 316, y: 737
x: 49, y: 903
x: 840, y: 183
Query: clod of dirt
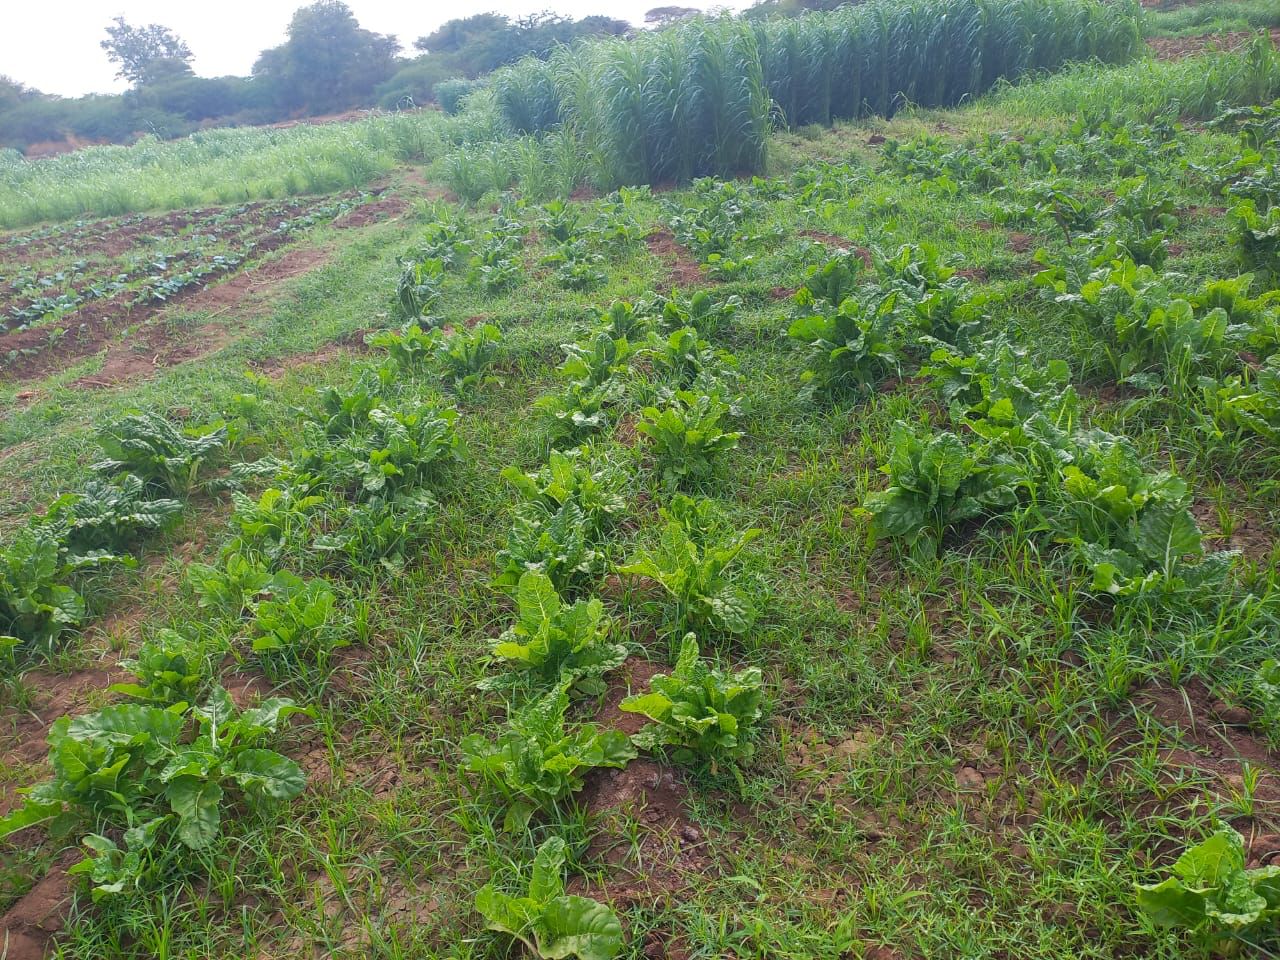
x: 30, y: 924
x: 1021, y: 242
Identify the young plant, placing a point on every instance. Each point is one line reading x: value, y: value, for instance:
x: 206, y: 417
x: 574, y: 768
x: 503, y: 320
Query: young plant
x: 163, y: 455
x: 465, y: 354
x: 557, y: 543
x: 851, y: 348
x: 693, y: 562
x: 554, y: 642
x: 1212, y: 895
x: 935, y: 484
x: 535, y: 763
x: 596, y: 485
x: 166, y: 672
x: 300, y: 620
x: 701, y: 712
x: 686, y: 436
x: 550, y: 923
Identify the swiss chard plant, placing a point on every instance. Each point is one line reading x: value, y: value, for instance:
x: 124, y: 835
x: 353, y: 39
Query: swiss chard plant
x: 552, y: 641
x: 164, y: 455
x: 559, y: 543
x: 1213, y: 895
x: 167, y: 672
x: 550, y: 923
x: 596, y: 485
x: 695, y: 563
x: 535, y: 762
x: 129, y: 765
x: 110, y: 515
x: 699, y: 712
x: 686, y: 436
x: 851, y: 348
x: 937, y: 483
x: 39, y: 599
x: 299, y: 620
x: 465, y: 354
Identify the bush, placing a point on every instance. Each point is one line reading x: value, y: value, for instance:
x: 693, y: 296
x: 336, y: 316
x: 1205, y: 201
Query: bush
x: 450, y: 93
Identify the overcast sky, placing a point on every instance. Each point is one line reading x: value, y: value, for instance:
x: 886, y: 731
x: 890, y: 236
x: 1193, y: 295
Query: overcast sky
x: 52, y: 45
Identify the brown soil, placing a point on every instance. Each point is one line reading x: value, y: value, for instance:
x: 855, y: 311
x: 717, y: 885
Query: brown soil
x: 632, y: 677
x: 1253, y: 535
x: 685, y: 271
x: 1217, y: 743
x: 376, y: 212
x: 781, y: 293
x: 668, y: 853
x: 348, y: 343
x: 1177, y: 48
x: 1021, y: 242
x: 30, y: 924
x: 976, y: 274
x: 96, y: 323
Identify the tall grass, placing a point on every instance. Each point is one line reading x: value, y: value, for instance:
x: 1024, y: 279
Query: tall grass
x: 1197, y: 87
x: 697, y: 99
x: 225, y: 166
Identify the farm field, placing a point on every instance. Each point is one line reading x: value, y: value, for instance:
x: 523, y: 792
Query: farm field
x: 873, y: 557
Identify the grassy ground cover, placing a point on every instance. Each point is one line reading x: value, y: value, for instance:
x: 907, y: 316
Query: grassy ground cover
x: 968, y: 745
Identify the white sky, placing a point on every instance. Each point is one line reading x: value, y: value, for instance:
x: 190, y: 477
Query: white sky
x: 52, y: 45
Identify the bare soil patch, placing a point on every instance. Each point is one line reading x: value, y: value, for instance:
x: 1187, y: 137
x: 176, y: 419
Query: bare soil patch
x: 1177, y: 48
x: 685, y: 271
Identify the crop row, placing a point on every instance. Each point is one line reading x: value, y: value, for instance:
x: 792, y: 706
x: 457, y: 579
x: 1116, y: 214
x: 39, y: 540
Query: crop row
x: 209, y: 248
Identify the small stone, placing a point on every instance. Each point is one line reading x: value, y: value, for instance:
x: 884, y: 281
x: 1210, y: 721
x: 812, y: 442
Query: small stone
x: 970, y: 779
x: 690, y: 834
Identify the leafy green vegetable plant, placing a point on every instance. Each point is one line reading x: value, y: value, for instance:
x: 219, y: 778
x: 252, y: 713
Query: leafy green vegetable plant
x: 550, y: 923
x: 699, y: 711
x: 535, y: 763
x: 935, y: 484
x: 686, y: 436
x: 159, y: 452
x: 693, y: 562
x: 553, y: 642
x: 1212, y: 894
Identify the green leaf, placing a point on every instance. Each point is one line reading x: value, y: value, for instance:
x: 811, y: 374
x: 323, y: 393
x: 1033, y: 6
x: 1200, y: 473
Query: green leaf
x: 269, y: 772
x: 579, y: 927
x: 196, y: 804
x: 28, y: 815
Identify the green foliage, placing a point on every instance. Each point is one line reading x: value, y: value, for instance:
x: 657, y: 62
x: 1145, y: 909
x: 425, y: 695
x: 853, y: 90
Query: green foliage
x: 551, y: 924
x: 557, y: 543
x: 110, y: 515
x: 465, y: 354
x: 381, y: 449
x: 137, y: 766
x: 167, y: 671
x: 1212, y: 895
x: 38, y: 602
x: 554, y: 642
x: 937, y: 483
x: 420, y: 287
x: 686, y: 436
x: 299, y: 620
x: 162, y: 454
x: 535, y: 763
x: 700, y: 711
x: 693, y: 562
x: 1258, y: 234
x: 851, y: 347
x: 595, y: 485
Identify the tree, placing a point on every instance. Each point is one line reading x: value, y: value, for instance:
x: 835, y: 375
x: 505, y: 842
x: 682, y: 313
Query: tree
x: 329, y: 62
x: 665, y: 16
x: 138, y: 50
x: 485, y: 41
